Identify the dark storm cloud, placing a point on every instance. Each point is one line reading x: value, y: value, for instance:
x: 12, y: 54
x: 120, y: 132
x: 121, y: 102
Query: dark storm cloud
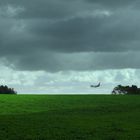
x: 44, y: 8
x: 90, y: 34
x: 114, y: 3
x: 46, y: 35
x: 77, y: 61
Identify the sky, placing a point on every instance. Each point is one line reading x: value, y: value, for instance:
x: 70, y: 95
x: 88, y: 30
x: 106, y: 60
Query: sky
x: 64, y: 46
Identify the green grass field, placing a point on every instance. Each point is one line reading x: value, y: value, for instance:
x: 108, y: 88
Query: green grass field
x: 71, y: 117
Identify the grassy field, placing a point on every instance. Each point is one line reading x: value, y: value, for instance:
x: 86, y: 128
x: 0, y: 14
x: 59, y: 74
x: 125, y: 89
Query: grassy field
x: 71, y: 117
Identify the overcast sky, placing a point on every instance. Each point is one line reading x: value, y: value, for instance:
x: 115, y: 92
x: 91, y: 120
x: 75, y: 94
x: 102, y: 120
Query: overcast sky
x: 63, y: 46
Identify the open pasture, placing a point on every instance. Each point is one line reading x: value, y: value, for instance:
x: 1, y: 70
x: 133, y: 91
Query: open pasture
x: 69, y: 117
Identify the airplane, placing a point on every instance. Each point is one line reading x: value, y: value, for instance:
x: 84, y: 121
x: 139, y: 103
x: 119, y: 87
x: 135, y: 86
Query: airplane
x: 95, y: 86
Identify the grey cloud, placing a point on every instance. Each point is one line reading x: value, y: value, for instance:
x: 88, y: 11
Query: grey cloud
x: 55, y: 36
x: 77, y: 61
x: 63, y: 8
x: 45, y: 8
x: 114, y: 3
x: 99, y: 34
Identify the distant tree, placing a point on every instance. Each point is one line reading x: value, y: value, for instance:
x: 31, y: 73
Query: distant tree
x: 126, y: 90
x: 7, y: 90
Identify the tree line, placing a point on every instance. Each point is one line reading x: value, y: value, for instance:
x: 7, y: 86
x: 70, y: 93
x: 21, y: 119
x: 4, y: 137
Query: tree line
x: 6, y: 90
x: 126, y: 90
